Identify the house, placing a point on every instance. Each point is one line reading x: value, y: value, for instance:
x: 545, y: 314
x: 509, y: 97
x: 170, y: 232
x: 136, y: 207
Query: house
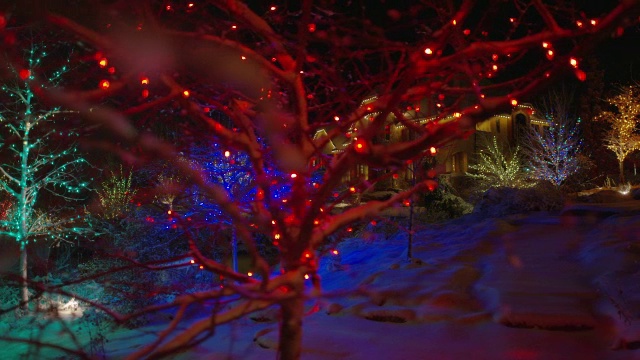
x: 456, y: 156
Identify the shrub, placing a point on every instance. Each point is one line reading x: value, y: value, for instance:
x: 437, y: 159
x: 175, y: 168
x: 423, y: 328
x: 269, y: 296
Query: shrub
x: 443, y: 204
x: 502, y: 201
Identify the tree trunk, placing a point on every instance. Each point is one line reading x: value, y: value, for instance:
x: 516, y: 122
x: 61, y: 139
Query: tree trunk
x: 24, y: 289
x: 234, y: 250
x: 410, y: 241
x: 290, y: 341
x: 621, y: 167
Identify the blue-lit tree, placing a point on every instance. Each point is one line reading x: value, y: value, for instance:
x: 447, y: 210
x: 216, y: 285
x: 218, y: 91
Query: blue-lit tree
x: 36, y: 158
x: 550, y: 152
x: 234, y: 172
x: 230, y: 170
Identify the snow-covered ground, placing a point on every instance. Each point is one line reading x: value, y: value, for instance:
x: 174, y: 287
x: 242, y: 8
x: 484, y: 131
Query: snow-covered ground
x: 524, y: 287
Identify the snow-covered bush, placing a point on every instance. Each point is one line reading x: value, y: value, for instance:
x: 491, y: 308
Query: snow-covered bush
x: 583, y: 179
x: 443, y: 204
x: 8, y: 297
x: 503, y: 201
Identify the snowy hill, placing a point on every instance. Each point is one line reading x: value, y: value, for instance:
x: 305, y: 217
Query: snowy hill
x: 538, y: 286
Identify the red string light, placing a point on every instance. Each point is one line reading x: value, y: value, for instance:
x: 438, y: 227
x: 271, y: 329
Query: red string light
x: 24, y: 74
x: 360, y: 146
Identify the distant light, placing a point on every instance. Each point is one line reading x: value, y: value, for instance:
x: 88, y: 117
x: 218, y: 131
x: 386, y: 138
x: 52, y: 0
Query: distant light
x: 104, y: 84
x: 227, y: 153
x: 514, y: 102
x: 294, y: 175
x: 428, y: 51
x: 185, y: 94
x: 273, y: 8
x: 103, y: 62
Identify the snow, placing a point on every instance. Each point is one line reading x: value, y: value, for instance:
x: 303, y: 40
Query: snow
x: 537, y: 286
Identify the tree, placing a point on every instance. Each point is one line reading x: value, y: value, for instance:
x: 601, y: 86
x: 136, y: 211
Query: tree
x: 232, y: 172
x: 115, y: 195
x: 551, y: 153
x: 280, y: 74
x: 497, y: 166
x: 37, y: 158
x: 624, y: 118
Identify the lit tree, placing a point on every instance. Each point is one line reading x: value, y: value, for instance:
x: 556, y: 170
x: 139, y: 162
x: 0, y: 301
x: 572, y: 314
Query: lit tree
x: 231, y: 171
x: 37, y: 158
x: 551, y: 154
x: 497, y: 166
x: 622, y: 138
x: 280, y: 75
x: 115, y: 195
